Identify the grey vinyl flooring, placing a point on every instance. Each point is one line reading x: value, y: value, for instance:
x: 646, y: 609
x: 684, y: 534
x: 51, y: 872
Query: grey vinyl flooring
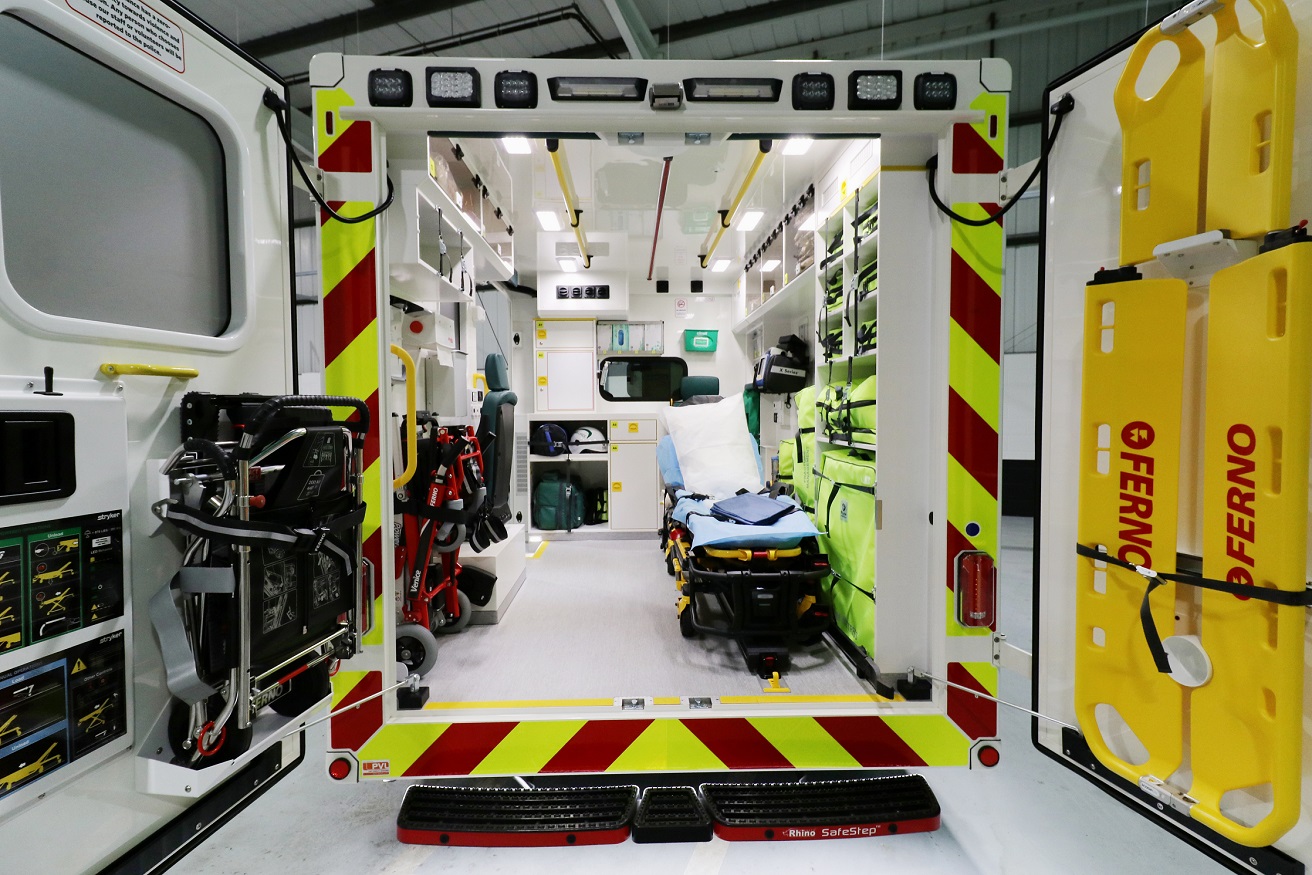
x: 1028, y: 816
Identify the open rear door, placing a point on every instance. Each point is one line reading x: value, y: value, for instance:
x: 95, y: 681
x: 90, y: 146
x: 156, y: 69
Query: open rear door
x: 144, y: 255
x: 1171, y: 554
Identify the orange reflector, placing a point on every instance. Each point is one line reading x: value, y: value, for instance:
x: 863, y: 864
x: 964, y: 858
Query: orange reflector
x: 976, y: 589
x: 988, y: 756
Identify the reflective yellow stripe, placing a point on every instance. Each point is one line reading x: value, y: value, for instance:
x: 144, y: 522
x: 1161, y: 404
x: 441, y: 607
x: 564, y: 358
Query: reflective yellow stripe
x: 974, y: 375
x: 981, y: 247
x: 344, y: 245
x: 355, y: 371
x: 401, y: 744
x: 793, y: 700
x: 968, y: 502
x: 803, y: 742
x: 996, y: 105
x: 933, y: 737
x: 375, y: 636
x: 667, y: 700
x: 528, y: 747
x: 328, y: 100
x: 666, y: 744
x: 984, y: 672
x: 344, y: 682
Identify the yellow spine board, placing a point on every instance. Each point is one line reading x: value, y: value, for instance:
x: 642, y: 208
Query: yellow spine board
x: 1246, y: 726
x: 1251, y: 139
x: 1161, y: 148
x: 1130, y: 428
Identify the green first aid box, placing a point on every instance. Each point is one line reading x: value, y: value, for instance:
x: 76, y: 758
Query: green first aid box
x: 700, y: 340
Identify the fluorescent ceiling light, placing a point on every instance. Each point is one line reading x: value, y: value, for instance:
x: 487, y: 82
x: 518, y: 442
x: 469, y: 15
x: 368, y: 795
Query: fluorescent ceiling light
x: 721, y: 265
x: 750, y: 219
x: 770, y: 265
x: 569, y: 265
x: 548, y: 220
x: 812, y: 223
x: 797, y: 145
x: 516, y: 145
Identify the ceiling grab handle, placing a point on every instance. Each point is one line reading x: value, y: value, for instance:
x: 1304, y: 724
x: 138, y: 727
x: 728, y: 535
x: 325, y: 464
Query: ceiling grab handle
x: 571, y: 199
x: 727, y: 216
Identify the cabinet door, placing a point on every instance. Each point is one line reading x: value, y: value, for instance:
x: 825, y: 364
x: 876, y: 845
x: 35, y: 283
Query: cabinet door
x: 634, y: 487
x: 564, y: 379
x: 564, y: 333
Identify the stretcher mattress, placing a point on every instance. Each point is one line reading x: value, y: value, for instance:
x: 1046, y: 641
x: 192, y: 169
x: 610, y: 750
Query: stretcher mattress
x: 707, y: 531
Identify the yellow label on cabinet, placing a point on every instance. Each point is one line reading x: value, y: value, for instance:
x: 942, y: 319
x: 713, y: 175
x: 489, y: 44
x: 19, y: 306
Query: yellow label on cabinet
x: 542, y: 381
x: 614, y: 424
x: 542, y: 334
x: 614, y: 448
x: 633, y: 426
x: 616, y: 486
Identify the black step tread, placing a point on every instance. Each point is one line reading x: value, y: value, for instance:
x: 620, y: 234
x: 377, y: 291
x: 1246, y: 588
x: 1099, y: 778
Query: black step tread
x: 671, y: 814
x: 482, y: 809
x: 821, y: 803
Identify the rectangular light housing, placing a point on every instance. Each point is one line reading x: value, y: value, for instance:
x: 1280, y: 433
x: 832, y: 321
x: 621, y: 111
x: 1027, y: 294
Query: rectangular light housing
x: 813, y: 91
x: 549, y: 220
x: 390, y: 88
x: 750, y: 219
x: 515, y: 90
x: 453, y: 86
x: 569, y: 265
x: 720, y: 266
x: 770, y: 264
x: 935, y: 91
x: 797, y: 145
x: 597, y: 88
x: 516, y: 145
x: 875, y: 89
x: 733, y: 90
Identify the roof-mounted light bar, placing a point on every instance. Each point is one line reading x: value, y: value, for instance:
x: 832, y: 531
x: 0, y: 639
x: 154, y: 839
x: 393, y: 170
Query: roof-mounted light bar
x: 571, y: 199
x: 452, y: 86
x: 733, y: 90
x: 597, y: 88
x: 727, y: 216
x: 515, y: 90
x: 874, y: 89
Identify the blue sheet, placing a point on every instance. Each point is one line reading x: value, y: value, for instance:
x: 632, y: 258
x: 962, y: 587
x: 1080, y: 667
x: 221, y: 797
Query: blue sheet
x: 707, y: 531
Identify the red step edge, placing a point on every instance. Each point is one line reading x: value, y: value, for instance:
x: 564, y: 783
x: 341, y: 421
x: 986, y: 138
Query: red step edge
x: 812, y: 833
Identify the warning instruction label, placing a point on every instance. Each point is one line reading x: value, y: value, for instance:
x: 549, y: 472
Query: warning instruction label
x: 138, y: 24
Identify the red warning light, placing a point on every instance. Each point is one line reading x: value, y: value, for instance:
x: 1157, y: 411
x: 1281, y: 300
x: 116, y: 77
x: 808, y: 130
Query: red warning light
x: 339, y: 769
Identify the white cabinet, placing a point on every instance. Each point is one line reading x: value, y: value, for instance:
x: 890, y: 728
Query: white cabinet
x: 564, y: 334
x: 635, y: 496
x: 564, y: 379
x: 633, y: 429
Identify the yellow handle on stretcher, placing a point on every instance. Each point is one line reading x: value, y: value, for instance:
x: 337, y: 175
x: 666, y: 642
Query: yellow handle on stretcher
x: 412, y: 462
x: 115, y: 369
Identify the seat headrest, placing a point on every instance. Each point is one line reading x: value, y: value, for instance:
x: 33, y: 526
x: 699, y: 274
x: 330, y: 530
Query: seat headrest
x: 690, y: 386
x: 496, y: 372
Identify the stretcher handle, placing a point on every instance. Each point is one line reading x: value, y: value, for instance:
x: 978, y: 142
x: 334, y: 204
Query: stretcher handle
x: 271, y: 408
x: 213, y: 452
x: 117, y: 369
x: 413, y: 461
x: 1126, y: 99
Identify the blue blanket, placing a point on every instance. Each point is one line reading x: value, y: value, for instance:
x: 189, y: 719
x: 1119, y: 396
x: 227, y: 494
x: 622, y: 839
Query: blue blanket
x: 707, y: 531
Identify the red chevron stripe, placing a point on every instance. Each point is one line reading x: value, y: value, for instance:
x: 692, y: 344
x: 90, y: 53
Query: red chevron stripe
x: 460, y: 749
x: 870, y: 741
x: 351, y: 729
x: 737, y: 743
x: 971, y: 153
x: 352, y: 152
x: 957, y: 544
x: 371, y: 436
x: 972, y: 442
x: 976, y: 717
x: 350, y: 308
x: 976, y: 307
x: 596, y: 746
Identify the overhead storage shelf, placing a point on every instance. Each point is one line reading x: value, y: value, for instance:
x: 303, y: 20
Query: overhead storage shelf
x: 785, y: 307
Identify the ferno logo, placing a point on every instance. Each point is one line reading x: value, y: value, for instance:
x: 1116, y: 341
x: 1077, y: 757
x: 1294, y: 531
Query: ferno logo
x: 1136, y: 496
x: 1240, y: 494
x: 376, y: 767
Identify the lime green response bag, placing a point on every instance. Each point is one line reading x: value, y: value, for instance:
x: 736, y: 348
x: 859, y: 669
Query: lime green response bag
x: 845, y: 513
x: 804, y: 450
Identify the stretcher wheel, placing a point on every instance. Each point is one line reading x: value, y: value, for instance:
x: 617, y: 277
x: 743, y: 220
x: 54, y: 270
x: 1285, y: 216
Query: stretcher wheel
x: 416, y: 648
x: 452, y: 542
x: 686, y: 628
x: 303, y: 691
x: 669, y: 562
x: 451, y: 625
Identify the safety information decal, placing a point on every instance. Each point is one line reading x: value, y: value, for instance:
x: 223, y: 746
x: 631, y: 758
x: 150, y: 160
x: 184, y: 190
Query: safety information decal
x: 136, y: 23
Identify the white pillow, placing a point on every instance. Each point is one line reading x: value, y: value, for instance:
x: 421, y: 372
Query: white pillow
x: 716, y: 452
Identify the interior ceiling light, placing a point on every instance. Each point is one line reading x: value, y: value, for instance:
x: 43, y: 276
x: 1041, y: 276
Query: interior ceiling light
x: 390, y: 88
x: 515, y: 90
x: 549, y: 220
x: 750, y: 219
x: 516, y: 145
x: 877, y: 89
x: 935, y: 91
x: 597, y: 88
x: 813, y: 91
x: 452, y: 86
x: 721, y: 265
x: 812, y: 222
x: 797, y: 145
x: 770, y: 264
x: 569, y: 265
x: 733, y: 90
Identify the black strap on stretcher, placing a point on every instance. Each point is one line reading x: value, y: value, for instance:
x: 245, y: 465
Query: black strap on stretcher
x: 1155, y: 579
x: 249, y: 533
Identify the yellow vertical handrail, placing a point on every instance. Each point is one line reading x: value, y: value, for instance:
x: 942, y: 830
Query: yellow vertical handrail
x: 413, y: 460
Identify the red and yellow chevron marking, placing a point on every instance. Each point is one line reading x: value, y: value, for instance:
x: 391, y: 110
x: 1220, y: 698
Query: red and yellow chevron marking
x: 349, y: 275
x: 666, y: 743
x: 977, y: 717
x: 981, y: 147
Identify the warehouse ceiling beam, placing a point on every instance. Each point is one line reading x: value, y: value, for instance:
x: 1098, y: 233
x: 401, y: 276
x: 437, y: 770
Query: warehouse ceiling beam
x: 346, y: 25
x: 633, y: 29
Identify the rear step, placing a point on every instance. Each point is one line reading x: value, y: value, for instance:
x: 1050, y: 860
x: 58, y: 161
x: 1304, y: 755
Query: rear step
x: 821, y: 810
x: 485, y: 817
x: 671, y: 814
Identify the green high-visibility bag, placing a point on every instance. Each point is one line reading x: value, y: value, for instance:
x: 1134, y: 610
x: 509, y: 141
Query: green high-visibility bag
x: 845, y: 514
x: 804, y: 449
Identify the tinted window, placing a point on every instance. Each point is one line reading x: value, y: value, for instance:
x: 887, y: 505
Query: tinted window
x: 640, y: 378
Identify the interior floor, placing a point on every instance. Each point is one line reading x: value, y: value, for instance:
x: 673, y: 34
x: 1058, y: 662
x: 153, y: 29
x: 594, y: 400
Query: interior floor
x: 596, y: 619
x: 1027, y: 815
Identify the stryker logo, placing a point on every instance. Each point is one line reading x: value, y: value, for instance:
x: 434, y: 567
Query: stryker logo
x: 1136, y: 483
x: 1240, y: 516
